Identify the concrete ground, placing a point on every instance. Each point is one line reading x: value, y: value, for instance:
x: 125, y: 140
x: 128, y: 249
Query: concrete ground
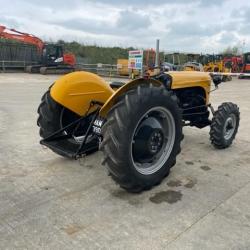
x: 48, y: 202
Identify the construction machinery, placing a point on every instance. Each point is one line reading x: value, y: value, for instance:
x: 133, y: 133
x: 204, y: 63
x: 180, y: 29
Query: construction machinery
x: 52, y: 57
x: 246, y: 66
x: 149, y: 56
x: 234, y: 64
x: 168, y: 66
x: 183, y: 61
x: 173, y: 58
x: 122, y: 67
x: 214, y: 63
x: 137, y: 125
x: 123, y: 70
x: 192, y: 63
x: 193, y: 66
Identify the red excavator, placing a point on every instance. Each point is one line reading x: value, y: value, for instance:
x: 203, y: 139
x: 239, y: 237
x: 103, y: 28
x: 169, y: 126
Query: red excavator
x: 234, y: 63
x: 246, y: 66
x: 246, y: 63
x: 53, y: 59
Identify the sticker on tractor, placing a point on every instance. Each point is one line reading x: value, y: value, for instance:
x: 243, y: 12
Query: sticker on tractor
x: 97, y: 126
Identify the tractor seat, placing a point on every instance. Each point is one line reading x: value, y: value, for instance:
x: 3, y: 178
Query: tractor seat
x: 116, y: 85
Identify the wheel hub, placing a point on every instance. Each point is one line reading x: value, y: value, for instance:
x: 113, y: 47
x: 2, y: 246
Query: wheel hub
x: 148, y: 140
x: 229, y: 127
x: 153, y: 140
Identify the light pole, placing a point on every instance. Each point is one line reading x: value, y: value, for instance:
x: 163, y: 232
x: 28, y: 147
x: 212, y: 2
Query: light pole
x: 157, y: 53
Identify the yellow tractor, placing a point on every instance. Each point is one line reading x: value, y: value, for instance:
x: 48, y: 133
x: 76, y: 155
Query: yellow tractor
x: 138, y: 126
x: 192, y: 63
x: 214, y: 63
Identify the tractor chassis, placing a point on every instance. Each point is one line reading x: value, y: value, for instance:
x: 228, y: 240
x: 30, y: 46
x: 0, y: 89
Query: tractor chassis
x: 203, y: 122
x: 56, y: 140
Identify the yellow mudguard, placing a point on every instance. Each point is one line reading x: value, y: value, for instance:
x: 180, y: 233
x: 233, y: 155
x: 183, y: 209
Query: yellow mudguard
x: 76, y: 90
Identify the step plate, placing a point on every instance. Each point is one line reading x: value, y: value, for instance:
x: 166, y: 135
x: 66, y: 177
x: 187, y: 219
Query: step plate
x: 68, y: 148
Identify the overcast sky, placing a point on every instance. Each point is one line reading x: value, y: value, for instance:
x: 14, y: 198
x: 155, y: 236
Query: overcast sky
x: 181, y: 25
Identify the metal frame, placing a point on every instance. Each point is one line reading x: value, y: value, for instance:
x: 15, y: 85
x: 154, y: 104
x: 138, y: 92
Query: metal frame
x: 56, y: 137
x: 209, y: 106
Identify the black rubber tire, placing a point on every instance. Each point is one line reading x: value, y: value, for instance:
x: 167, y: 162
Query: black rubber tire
x: 50, y: 120
x: 216, y: 131
x: 49, y: 113
x: 118, y: 131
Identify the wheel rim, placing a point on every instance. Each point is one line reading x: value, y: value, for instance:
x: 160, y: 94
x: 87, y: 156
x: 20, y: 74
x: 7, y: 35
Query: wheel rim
x: 153, y: 140
x: 229, y: 127
x: 71, y: 117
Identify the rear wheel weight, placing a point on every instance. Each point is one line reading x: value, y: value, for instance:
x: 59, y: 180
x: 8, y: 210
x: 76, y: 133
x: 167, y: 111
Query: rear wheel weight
x: 224, y: 126
x: 141, y: 137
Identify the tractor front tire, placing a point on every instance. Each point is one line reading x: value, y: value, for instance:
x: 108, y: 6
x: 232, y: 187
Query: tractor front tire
x: 142, y: 137
x: 224, y: 125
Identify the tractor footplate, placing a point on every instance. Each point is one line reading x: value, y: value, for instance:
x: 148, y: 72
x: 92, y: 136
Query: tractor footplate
x: 70, y: 150
x: 67, y: 145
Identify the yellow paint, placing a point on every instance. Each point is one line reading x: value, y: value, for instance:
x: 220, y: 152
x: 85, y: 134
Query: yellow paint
x: 180, y: 79
x: 189, y: 79
x: 111, y: 101
x: 217, y: 66
x: 76, y: 90
x: 123, y: 69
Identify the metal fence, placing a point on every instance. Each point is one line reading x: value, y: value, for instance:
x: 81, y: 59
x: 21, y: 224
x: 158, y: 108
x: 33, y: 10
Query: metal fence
x: 108, y: 70
x: 16, y: 55
x: 14, y: 65
x: 18, y: 52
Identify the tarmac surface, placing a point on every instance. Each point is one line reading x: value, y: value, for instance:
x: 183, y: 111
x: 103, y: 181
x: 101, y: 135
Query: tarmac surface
x: 48, y: 202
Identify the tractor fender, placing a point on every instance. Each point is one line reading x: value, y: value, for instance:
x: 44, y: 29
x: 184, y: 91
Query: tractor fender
x: 179, y: 80
x: 132, y: 84
x: 76, y: 90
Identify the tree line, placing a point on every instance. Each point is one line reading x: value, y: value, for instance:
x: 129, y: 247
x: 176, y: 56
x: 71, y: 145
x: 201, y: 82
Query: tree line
x: 94, y: 53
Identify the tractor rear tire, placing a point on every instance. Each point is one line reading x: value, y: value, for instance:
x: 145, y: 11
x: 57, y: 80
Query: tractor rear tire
x: 126, y: 141
x: 49, y: 115
x: 224, y: 126
x: 53, y: 117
